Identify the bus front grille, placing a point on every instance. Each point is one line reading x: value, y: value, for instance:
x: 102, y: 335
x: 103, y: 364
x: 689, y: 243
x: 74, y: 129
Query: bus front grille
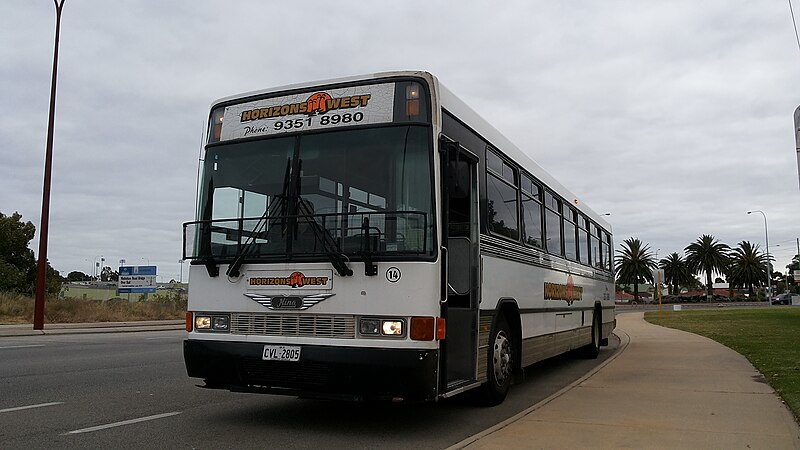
x: 294, y: 375
x: 301, y: 325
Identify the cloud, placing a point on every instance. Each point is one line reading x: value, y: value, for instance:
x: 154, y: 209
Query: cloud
x: 676, y: 117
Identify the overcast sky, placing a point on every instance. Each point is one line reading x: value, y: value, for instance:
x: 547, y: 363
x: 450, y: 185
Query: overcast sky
x: 675, y: 117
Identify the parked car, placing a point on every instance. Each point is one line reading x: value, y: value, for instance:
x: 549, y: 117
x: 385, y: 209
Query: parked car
x: 782, y: 299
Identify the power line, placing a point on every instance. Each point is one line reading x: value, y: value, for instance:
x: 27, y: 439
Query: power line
x: 791, y: 10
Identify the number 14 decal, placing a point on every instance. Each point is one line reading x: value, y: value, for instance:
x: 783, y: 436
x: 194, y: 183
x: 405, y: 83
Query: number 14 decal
x: 393, y: 274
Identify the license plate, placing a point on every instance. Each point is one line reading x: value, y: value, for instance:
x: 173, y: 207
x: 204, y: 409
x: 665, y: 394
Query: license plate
x: 281, y: 353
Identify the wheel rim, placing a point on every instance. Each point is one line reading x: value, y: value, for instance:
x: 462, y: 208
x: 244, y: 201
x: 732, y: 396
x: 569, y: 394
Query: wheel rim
x: 501, y: 357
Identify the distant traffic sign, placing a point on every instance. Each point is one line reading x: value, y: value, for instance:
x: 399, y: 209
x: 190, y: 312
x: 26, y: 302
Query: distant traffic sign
x: 137, y: 279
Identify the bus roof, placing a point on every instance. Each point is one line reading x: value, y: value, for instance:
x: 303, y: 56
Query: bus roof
x: 463, y: 112
x: 472, y: 119
x: 343, y: 80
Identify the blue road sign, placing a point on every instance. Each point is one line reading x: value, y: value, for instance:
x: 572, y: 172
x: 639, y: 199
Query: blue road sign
x: 137, y: 279
x: 137, y: 270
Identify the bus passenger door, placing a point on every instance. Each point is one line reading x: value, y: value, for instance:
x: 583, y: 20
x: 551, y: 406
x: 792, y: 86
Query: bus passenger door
x: 460, y: 309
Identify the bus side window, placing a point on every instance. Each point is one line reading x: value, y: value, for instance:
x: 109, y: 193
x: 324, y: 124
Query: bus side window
x: 501, y: 197
x: 607, y: 251
x: 583, y: 240
x: 595, y: 247
x: 570, y: 233
x: 555, y: 238
x: 531, y: 212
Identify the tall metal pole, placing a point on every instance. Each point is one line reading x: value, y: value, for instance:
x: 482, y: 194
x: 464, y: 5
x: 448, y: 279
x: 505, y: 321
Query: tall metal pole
x: 38, y: 309
x: 769, y: 263
x: 798, y: 255
x: 797, y: 137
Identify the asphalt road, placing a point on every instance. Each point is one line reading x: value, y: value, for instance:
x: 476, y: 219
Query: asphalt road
x: 130, y: 390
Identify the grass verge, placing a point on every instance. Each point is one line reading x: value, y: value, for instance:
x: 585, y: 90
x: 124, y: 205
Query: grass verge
x: 18, y: 309
x: 768, y: 337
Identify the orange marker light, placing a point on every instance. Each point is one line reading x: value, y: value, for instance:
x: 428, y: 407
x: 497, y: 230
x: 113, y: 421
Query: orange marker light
x: 441, y: 329
x: 412, y: 108
x: 412, y: 100
x: 189, y: 321
x: 217, y: 116
x: 422, y: 328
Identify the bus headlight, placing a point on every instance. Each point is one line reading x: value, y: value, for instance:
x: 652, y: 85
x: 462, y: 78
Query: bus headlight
x: 211, y: 322
x: 392, y: 327
x: 373, y: 326
x: 369, y: 326
x: 219, y: 323
x: 202, y: 323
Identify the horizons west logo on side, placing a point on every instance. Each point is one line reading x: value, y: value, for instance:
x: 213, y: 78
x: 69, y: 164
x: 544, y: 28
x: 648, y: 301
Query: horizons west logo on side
x: 316, y: 103
x: 567, y: 292
x: 295, y: 280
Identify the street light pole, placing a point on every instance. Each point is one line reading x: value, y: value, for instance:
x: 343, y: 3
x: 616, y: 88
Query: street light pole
x: 769, y: 264
x: 96, y: 267
x: 41, y: 273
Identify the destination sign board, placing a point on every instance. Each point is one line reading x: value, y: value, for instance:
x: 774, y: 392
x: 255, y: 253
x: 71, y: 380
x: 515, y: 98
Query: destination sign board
x: 312, y: 110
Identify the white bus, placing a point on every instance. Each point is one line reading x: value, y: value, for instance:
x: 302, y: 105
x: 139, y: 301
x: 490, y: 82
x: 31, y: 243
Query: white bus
x: 372, y: 237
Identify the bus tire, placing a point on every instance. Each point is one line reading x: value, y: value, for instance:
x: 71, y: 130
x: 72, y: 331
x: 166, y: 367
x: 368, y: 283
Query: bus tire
x: 500, y: 365
x: 591, y: 351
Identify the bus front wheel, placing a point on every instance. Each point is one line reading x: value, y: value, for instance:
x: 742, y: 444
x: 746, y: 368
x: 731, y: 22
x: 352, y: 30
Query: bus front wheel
x: 500, y: 364
x: 591, y: 351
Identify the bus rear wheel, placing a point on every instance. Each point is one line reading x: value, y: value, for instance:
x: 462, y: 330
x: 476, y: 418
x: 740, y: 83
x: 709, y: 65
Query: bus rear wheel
x: 500, y: 365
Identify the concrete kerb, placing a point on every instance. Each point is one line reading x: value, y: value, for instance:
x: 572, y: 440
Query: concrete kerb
x: 87, y: 328
x: 624, y: 341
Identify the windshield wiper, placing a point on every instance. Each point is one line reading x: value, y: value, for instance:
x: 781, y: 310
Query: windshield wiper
x: 233, y: 269
x: 337, y: 259
x: 283, y: 207
x: 277, y: 208
x: 300, y: 207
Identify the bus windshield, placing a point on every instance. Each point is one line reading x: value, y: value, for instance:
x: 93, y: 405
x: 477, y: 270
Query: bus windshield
x: 352, y: 192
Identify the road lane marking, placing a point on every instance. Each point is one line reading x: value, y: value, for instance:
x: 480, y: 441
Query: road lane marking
x: 22, y: 346
x: 40, y: 405
x: 124, y: 422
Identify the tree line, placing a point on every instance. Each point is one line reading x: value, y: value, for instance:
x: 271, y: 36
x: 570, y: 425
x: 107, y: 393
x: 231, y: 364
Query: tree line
x: 18, y: 262
x: 745, y: 266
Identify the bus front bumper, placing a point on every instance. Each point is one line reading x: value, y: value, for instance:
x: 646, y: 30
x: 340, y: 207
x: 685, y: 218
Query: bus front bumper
x: 351, y: 373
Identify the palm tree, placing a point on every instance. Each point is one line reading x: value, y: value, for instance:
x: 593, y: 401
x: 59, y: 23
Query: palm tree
x: 793, y: 268
x: 634, y: 263
x: 748, y: 266
x: 707, y: 255
x: 676, y: 272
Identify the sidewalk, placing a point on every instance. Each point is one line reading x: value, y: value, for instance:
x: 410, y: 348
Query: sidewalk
x: 99, y: 327
x: 665, y: 389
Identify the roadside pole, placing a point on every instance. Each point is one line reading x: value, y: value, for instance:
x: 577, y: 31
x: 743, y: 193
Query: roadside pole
x: 658, y: 290
x: 41, y: 268
x: 658, y: 275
